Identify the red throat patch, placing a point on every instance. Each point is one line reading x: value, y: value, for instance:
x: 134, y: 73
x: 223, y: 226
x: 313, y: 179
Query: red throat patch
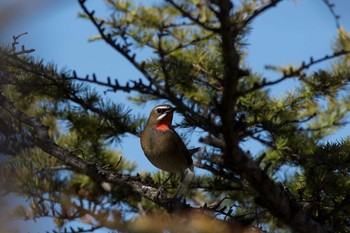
x: 165, y: 123
x: 162, y: 127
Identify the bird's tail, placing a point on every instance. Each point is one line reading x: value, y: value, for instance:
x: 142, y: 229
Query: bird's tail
x: 187, y: 177
x: 200, y: 150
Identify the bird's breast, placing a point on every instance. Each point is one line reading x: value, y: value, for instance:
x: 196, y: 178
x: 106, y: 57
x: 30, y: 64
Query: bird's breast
x: 163, y: 150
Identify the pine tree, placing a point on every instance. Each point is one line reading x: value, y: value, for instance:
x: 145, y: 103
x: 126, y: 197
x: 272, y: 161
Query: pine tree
x: 57, y: 130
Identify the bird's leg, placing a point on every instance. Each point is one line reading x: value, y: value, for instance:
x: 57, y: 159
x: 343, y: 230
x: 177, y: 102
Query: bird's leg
x: 186, y: 177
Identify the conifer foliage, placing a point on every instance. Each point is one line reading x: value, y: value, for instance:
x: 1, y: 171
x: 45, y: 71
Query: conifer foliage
x: 57, y: 130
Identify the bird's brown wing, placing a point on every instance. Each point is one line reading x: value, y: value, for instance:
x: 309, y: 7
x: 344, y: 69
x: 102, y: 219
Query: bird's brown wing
x: 183, y: 148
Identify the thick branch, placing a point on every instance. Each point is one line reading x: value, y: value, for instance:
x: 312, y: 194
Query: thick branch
x: 231, y: 76
x: 272, y: 196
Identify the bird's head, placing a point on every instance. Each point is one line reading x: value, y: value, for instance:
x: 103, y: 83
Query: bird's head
x: 161, y: 117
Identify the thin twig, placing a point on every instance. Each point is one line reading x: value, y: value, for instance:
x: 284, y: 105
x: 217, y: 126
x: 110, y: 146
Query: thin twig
x: 191, y: 17
x: 122, y: 49
x: 259, y: 11
x: 331, y: 9
x: 293, y: 72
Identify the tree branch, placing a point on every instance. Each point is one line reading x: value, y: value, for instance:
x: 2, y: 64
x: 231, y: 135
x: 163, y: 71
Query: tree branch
x: 293, y: 72
x: 130, y: 86
x: 231, y: 60
x: 23, y: 50
x: 259, y: 11
x: 331, y: 9
x: 122, y: 49
x: 191, y: 17
x: 274, y: 197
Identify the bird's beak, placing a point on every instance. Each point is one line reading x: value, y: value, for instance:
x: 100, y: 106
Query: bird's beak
x: 170, y: 110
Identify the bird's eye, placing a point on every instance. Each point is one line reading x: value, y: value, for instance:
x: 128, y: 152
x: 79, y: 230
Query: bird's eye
x: 159, y: 110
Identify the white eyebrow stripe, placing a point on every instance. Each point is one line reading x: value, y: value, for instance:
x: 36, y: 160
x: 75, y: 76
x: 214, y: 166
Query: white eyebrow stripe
x: 163, y: 107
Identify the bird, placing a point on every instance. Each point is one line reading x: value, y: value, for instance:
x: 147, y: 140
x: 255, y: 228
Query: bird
x: 165, y: 149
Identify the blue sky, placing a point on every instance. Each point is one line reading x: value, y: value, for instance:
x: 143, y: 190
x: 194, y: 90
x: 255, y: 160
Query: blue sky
x: 288, y: 34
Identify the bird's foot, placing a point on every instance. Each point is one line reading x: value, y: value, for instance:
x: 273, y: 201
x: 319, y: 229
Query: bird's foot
x: 176, y: 203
